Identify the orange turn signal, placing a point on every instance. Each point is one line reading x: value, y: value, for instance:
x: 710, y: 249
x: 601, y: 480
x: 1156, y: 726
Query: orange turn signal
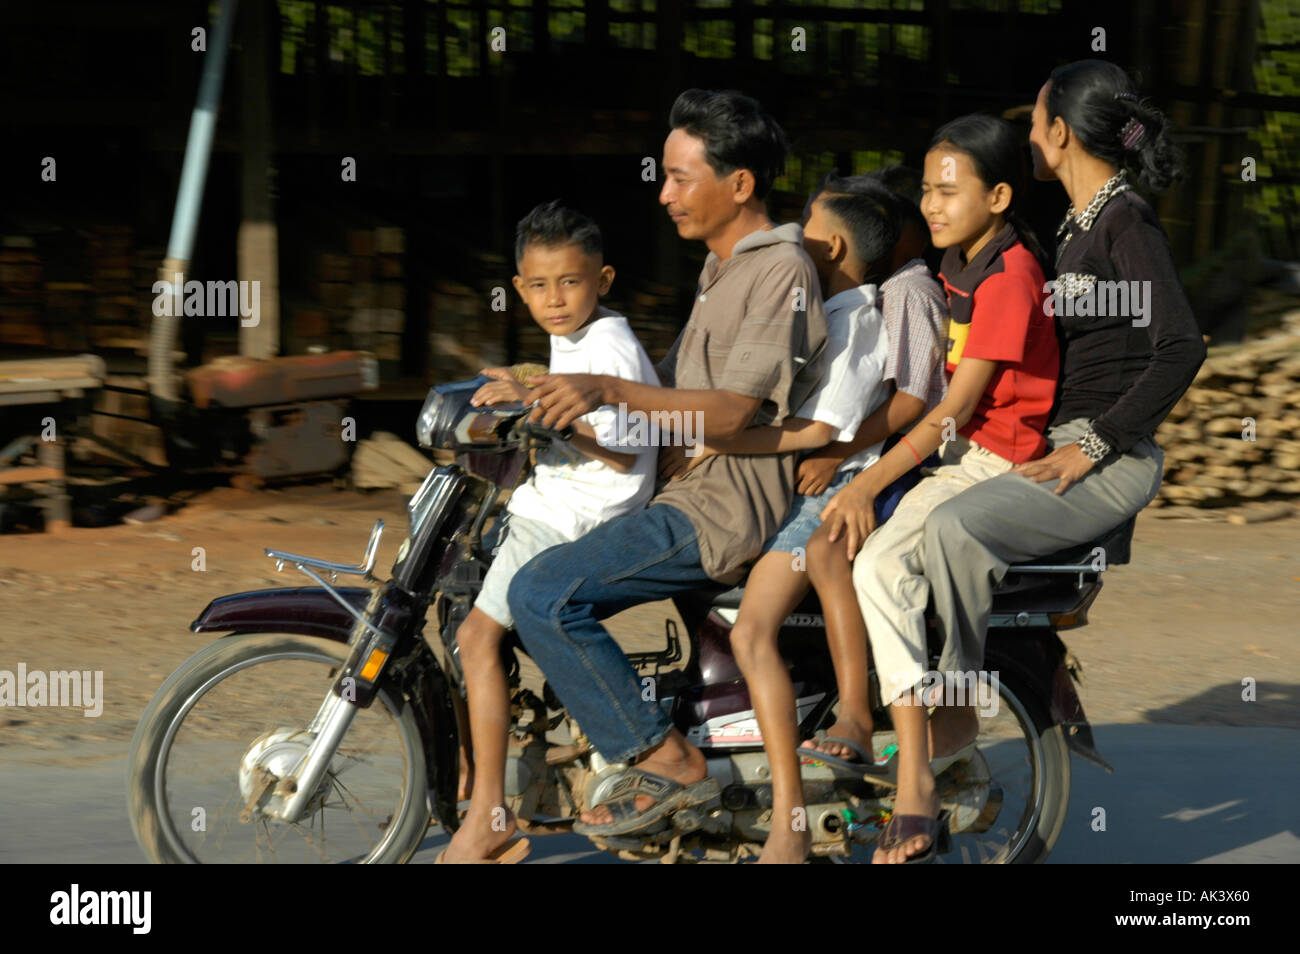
x: 373, y: 664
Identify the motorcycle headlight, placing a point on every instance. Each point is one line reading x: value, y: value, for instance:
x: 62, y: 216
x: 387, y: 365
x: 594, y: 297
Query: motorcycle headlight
x: 448, y: 421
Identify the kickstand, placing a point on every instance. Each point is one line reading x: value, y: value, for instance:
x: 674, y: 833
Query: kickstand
x: 674, y: 849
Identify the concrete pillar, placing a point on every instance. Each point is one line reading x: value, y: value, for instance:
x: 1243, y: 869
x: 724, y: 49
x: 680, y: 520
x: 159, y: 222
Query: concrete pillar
x: 258, y: 240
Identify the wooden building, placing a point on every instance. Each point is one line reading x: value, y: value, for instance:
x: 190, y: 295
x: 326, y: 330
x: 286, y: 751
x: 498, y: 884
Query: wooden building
x: 461, y: 115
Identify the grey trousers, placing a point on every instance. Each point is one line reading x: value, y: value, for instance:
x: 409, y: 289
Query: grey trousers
x: 972, y: 538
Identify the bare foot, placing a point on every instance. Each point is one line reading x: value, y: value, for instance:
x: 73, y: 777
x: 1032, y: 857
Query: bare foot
x: 846, y: 728
x: 480, y: 833
x: 786, y: 847
x: 911, y: 802
x: 675, y: 759
x: 951, y: 729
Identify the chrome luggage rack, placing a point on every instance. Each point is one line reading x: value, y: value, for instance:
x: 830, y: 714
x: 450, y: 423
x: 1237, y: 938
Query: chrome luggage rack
x: 362, y: 569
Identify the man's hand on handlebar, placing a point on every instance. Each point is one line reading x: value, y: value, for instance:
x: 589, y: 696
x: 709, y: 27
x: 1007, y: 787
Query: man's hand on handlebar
x: 563, y: 398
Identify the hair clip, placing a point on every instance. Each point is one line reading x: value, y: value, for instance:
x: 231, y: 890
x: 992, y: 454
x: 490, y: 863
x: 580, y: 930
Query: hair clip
x: 1129, y: 96
x: 1132, y: 133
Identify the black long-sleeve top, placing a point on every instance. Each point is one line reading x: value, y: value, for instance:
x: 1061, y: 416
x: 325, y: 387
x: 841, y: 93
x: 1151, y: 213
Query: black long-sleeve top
x: 1125, y: 376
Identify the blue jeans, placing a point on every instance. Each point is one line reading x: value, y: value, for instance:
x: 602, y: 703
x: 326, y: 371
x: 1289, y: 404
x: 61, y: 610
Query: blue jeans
x: 559, y: 596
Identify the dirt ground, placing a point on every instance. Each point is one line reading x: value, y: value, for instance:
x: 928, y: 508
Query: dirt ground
x: 1171, y: 638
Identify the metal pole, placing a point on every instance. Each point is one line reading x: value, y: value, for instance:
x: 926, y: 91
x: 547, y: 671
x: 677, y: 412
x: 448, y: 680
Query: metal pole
x: 189, y: 198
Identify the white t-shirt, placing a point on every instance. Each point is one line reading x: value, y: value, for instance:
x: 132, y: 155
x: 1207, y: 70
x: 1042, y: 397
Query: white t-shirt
x: 854, y: 385
x: 569, y: 490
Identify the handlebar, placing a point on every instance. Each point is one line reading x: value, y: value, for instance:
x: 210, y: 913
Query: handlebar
x: 527, y: 428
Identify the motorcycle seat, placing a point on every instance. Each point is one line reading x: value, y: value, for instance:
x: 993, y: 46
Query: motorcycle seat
x: 1116, y: 544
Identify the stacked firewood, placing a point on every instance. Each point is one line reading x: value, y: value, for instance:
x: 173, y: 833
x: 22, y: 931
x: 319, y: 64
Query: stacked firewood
x: 385, y: 460
x: 465, y: 333
x: 21, y: 273
x: 1235, y: 435
x: 360, y: 299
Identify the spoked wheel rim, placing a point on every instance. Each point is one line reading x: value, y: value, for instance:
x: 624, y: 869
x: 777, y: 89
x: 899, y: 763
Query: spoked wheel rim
x: 1018, y: 774
x: 317, y: 836
x: 1010, y: 746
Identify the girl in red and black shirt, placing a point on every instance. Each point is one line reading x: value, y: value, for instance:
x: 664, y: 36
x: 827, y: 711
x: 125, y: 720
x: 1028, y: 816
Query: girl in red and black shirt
x: 1004, y: 360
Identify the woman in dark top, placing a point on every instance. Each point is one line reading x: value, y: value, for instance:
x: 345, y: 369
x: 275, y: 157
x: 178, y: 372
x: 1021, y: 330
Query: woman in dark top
x: 1130, y: 347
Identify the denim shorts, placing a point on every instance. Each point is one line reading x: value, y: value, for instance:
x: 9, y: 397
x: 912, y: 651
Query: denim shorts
x: 805, y: 515
x: 804, y: 518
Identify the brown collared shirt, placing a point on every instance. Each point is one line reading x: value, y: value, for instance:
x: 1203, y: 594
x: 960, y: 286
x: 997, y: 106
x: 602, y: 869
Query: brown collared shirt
x: 758, y: 329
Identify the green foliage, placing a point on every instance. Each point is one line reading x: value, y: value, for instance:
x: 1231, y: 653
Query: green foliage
x: 1275, y: 143
x: 805, y: 171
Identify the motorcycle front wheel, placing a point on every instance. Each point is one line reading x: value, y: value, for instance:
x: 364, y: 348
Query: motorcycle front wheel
x: 233, y: 718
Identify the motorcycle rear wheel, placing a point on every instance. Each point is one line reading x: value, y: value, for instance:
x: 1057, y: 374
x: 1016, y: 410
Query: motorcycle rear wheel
x: 152, y: 795
x: 1046, y: 762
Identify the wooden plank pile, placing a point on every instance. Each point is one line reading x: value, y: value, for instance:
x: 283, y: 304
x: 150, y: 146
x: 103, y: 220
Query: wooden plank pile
x: 385, y: 460
x: 465, y: 334
x: 124, y: 418
x: 117, y: 312
x: 1235, y: 435
x: 360, y: 299
x: 21, y: 303
x: 655, y: 316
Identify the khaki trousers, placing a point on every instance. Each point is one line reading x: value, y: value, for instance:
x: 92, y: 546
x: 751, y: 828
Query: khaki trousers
x: 888, y: 573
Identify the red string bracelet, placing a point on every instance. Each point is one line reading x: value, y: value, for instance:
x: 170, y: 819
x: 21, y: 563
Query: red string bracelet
x: 911, y: 448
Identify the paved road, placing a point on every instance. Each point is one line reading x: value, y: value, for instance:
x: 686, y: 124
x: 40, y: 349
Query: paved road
x: 1179, y: 794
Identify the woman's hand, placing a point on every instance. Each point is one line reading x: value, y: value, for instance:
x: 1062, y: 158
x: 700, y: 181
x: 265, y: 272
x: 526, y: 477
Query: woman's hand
x: 1068, y: 463
x: 816, y: 473
x: 852, y: 514
x: 502, y: 389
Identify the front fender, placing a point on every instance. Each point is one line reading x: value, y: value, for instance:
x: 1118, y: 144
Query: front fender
x: 311, y: 611
x: 308, y: 610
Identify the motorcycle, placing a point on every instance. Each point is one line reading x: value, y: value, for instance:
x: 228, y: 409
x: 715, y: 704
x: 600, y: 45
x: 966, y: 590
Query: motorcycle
x: 239, y: 758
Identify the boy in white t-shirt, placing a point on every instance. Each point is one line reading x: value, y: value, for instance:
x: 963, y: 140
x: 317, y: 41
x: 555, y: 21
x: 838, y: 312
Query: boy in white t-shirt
x: 574, y: 486
x: 851, y: 226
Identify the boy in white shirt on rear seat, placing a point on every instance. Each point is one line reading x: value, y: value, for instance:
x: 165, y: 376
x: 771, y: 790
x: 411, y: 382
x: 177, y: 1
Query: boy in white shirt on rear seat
x: 596, y: 477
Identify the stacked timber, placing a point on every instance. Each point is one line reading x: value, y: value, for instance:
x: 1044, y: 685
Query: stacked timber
x: 21, y: 293
x: 116, y: 310
x: 465, y: 334
x: 360, y: 298
x: 384, y: 460
x: 1235, y: 435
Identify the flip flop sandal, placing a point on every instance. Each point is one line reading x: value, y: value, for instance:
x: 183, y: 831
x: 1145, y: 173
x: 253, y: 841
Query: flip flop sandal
x: 510, y: 853
x: 669, y: 797
x: 901, y: 828
x: 860, y: 760
x: 860, y: 766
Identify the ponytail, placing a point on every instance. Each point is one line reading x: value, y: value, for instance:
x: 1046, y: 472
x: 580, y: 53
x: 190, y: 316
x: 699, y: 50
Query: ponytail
x: 1154, y: 157
x: 1097, y: 100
